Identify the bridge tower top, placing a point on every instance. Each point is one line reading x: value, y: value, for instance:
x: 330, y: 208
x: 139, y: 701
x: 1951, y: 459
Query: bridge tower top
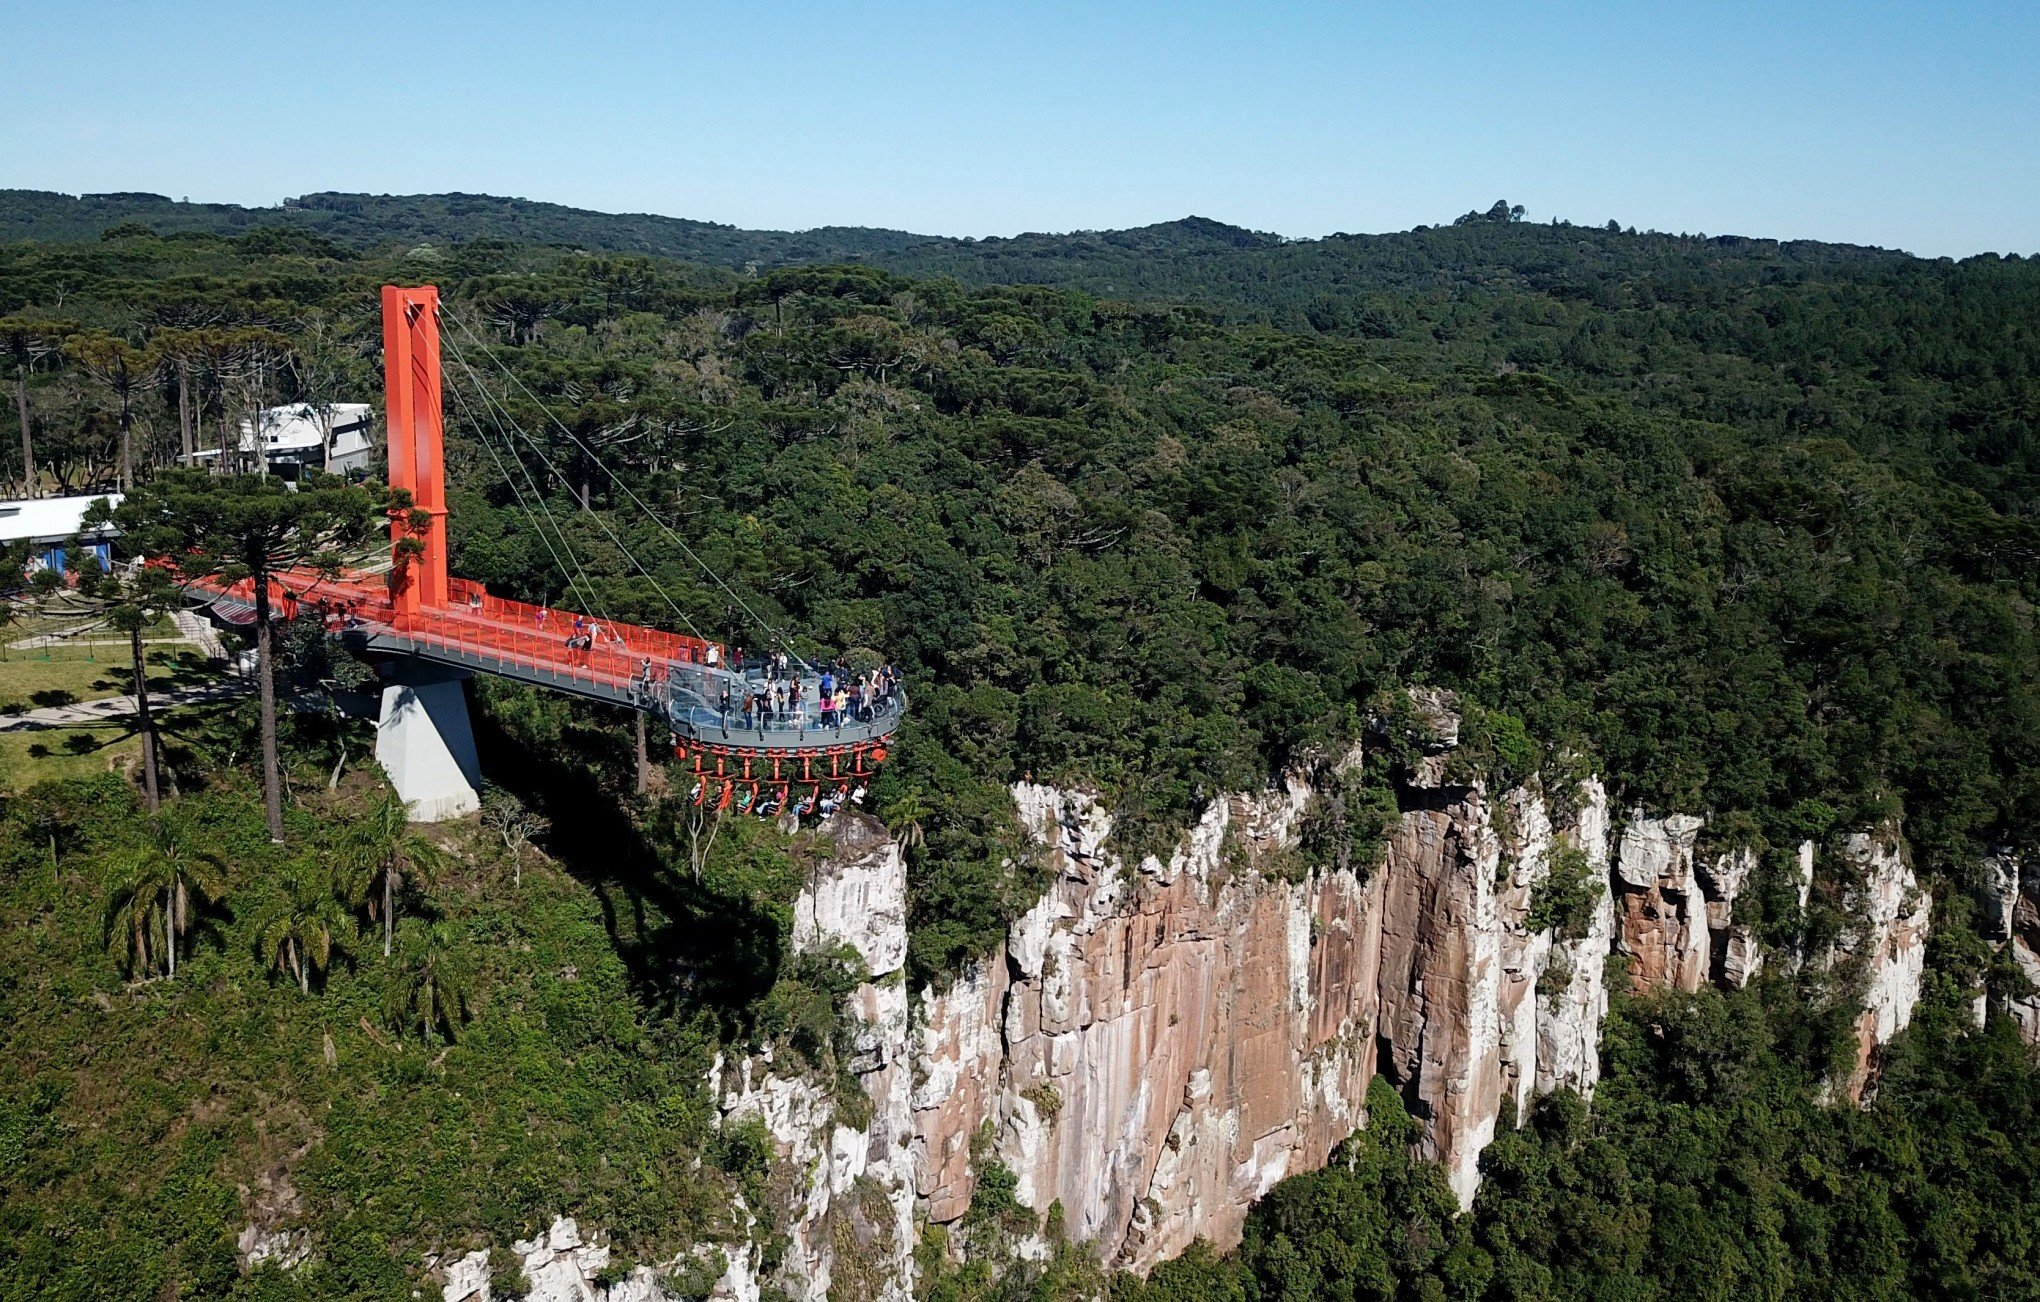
x: 416, y: 445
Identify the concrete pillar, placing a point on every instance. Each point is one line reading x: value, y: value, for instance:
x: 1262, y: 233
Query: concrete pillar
x: 424, y: 742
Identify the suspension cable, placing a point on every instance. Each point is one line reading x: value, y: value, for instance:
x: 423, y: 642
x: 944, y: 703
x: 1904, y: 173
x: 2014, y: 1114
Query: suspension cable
x: 574, y: 574
x: 552, y: 466
x: 618, y: 480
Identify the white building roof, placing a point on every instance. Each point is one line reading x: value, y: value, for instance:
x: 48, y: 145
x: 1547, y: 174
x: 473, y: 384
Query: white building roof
x: 295, y: 428
x: 50, y: 519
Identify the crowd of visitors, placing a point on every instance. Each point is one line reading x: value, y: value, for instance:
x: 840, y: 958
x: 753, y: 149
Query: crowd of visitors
x: 779, y: 697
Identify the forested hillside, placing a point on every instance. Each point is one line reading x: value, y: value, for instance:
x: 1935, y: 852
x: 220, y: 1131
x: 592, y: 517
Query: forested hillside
x: 1899, y: 354
x: 1747, y: 528
x: 365, y: 221
x: 1778, y: 339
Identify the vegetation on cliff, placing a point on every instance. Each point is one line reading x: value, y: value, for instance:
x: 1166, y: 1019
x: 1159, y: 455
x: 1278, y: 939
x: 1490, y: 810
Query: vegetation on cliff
x: 1708, y: 1168
x: 1749, y: 528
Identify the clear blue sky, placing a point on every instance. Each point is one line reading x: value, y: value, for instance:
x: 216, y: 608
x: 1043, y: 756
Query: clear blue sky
x: 1907, y: 125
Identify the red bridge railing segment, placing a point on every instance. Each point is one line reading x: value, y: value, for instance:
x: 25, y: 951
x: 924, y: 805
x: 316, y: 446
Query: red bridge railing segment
x: 477, y: 622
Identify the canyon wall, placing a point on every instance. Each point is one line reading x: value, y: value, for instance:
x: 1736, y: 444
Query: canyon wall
x: 2011, y: 924
x: 1155, y: 1046
x: 1156, y: 1043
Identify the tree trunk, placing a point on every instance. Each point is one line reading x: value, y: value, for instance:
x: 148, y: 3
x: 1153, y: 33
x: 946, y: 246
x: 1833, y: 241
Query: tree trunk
x: 644, y: 759
x: 170, y: 930
x: 127, y: 445
x: 265, y: 685
x: 27, y: 439
x: 389, y: 916
x: 149, y: 786
x: 184, y: 436
x: 304, y: 978
x: 260, y: 462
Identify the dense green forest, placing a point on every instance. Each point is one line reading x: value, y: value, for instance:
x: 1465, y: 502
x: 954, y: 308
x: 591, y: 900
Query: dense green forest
x: 375, y: 220
x: 1750, y: 528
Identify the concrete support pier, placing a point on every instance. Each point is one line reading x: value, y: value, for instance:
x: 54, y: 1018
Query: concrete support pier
x: 424, y: 742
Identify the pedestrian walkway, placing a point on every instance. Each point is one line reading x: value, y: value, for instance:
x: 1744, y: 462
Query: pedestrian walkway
x: 192, y: 630
x: 116, y: 707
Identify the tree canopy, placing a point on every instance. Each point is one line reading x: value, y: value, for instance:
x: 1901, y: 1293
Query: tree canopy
x: 1750, y: 528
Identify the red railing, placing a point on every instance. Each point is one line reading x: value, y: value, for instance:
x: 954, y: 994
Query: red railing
x: 475, y: 601
x: 477, y: 623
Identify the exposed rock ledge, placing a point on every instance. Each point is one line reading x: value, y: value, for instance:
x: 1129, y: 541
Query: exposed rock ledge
x: 558, y: 1266
x: 1154, y: 1045
x: 2011, y: 923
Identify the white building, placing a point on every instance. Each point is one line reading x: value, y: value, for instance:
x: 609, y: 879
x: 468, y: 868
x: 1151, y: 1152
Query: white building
x: 290, y: 438
x: 48, y: 524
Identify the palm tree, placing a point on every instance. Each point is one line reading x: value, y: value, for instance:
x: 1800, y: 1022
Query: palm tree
x: 379, y: 856
x: 430, y: 993
x: 159, y: 887
x: 298, y: 938
x: 906, y: 815
x: 135, y: 916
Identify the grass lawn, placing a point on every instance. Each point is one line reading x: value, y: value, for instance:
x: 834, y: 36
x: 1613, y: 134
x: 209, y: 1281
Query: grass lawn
x: 49, y: 754
x: 30, y: 757
x: 31, y: 679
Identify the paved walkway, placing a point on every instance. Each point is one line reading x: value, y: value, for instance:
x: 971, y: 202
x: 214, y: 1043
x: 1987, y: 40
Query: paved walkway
x: 192, y: 630
x: 115, y: 707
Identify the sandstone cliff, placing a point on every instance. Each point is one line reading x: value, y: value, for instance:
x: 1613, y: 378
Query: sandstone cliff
x: 2011, y: 924
x: 1677, y: 905
x: 850, y: 1183
x: 1889, y: 918
x: 1155, y: 1046
x: 1157, y: 1043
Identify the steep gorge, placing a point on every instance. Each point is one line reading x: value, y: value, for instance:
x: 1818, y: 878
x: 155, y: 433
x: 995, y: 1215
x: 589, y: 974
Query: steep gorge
x: 1155, y: 1044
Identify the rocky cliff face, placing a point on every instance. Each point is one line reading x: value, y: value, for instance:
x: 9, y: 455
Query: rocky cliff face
x: 1677, y: 905
x: 1890, y: 916
x: 558, y: 1265
x: 1157, y: 1043
x: 2011, y: 923
x: 845, y: 1166
x: 850, y: 1184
